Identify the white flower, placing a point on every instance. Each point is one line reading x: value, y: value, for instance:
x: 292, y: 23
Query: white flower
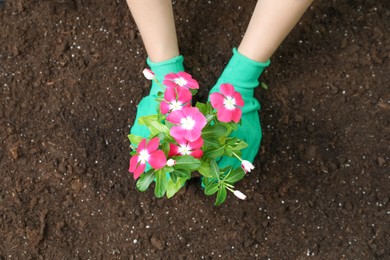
x: 171, y: 162
x: 239, y: 195
x: 149, y: 74
x: 247, y: 166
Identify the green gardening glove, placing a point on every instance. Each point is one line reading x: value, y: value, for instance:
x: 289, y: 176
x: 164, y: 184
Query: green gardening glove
x: 148, y: 105
x: 243, y: 73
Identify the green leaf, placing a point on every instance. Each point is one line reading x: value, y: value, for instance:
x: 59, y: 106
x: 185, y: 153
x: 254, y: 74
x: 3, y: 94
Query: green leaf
x: 202, y: 107
x: 221, y: 195
x: 264, y: 86
x: 165, y: 147
x: 173, y: 188
x: 216, y: 130
x: 211, y: 143
x: 179, y: 173
x: 155, y: 127
x: 209, y: 118
x: 161, y: 184
x: 173, y: 177
x: 214, y: 169
x: 193, y: 92
x: 214, y: 153
x: 228, y: 151
x: 239, y: 145
x: 145, y: 180
x: 182, y: 173
x: 186, y: 162
x: 135, y: 139
x: 205, y: 170
x: 167, y: 169
x: 211, y: 188
x: 234, y: 175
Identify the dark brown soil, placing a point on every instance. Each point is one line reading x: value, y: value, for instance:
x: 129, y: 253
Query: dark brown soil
x: 70, y: 79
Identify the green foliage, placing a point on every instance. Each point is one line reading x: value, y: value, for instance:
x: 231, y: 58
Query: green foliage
x: 217, y: 143
x: 186, y: 162
x: 221, y: 195
x: 155, y: 127
x: 161, y: 184
x: 134, y: 139
x: 174, y: 187
x: 145, y: 180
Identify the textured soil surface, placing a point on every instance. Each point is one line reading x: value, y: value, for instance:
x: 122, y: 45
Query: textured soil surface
x: 70, y: 79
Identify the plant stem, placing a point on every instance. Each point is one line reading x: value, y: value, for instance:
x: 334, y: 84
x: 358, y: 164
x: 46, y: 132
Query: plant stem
x: 238, y: 157
x: 160, y: 85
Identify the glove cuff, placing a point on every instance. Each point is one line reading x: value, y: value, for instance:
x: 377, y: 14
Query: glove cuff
x: 162, y: 68
x: 243, y: 72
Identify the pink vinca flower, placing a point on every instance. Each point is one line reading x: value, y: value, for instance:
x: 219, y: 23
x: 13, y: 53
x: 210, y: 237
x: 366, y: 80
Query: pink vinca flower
x: 149, y: 74
x: 175, y: 98
x: 227, y: 104
x: 147, y: 153
x: 189, y: 123
x: 181, y: 79
x: 185, y: 147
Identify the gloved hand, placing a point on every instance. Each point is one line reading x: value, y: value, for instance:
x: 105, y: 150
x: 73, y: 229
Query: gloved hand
x: 243, y: 73
x: 148, y: 105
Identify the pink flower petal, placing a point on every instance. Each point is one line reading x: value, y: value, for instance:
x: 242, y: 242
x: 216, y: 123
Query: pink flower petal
x: 153, y: 145
x: 236, y: 115
x: 197, y: 153
x: 141, y: 145
x: 184, y: 95
x: 239, y: 101
x: 175, y: 116
x: 133, y: 163
x: 200, y: 119
x: 192, y: 135
x: 170, y: 76
x: 227, y: 89
x: 192, y: 83
x: 170, y: 94
x: 140, y: 169
x: 177, y: 132
x: 157, y: 159
x: 173, y: 150
x: 164, y: 107
x: 224, y: 115
x: 184, y: 75
x: 197, y: 144
x: 216, y: 100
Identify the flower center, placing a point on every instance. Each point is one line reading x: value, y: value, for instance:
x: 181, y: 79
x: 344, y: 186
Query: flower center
x: 184, y: 149
x: 175, y: 105
x: 180, y: 81
x: 229, y: 103
x: 143, y: 156
x: 187, y: 123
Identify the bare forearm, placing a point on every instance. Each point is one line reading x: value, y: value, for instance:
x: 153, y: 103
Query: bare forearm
x: 272, y: 20
x: 155, y: 22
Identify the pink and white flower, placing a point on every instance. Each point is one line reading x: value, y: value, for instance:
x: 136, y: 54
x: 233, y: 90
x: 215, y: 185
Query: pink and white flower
x: 186, y: 147
x: 147, y: 153
x: 239, y: 195
x: 189, y: 123
x: 171, y: 162
x: 247, y: 166
x: 227, y: 103
x: 181, y: 79
x: 175, y: 98
x: 149, y: 74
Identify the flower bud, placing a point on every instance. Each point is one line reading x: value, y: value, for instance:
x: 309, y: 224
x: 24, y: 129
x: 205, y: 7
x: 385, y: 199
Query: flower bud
x: 239, y: 195
x: 149, y: 74
x: 247, y: 166
x: 171, y: 162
